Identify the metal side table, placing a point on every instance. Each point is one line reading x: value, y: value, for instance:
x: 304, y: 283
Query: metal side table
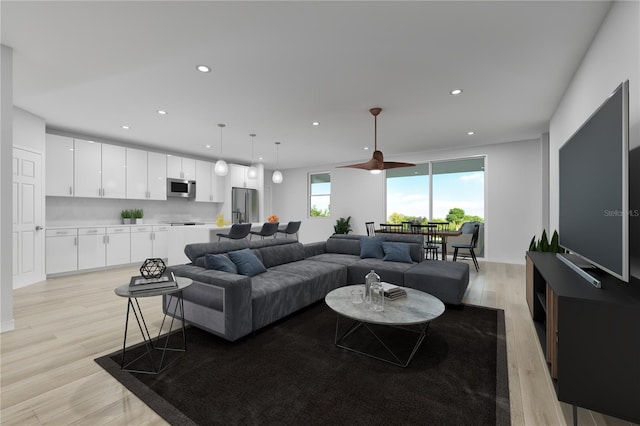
x: 154, y: 346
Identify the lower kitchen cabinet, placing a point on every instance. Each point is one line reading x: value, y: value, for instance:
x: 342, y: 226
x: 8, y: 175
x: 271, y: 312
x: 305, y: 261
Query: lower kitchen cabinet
x: 118, y: 246
x: 91, y: 248
x: 141, y: 243
x: 161, y: 241
x: 61, y: 247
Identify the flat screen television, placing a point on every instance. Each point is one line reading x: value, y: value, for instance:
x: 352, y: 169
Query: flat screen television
x: 594, y: 187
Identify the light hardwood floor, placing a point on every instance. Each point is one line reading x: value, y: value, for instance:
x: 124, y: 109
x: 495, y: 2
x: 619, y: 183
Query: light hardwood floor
x: 48, y: 375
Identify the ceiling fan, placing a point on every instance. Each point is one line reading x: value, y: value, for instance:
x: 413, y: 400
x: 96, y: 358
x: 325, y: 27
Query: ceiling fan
x: 377, y: 163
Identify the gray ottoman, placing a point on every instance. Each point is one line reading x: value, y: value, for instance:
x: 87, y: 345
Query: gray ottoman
x: 445, y: 280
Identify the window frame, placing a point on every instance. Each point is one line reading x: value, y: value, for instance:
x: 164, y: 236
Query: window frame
x: 310, y: 195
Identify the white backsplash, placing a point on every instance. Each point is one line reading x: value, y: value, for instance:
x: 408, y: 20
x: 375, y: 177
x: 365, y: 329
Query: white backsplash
x: 69, y: 211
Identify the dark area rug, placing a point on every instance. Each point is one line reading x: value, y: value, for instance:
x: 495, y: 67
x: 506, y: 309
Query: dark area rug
x: 291, y: 373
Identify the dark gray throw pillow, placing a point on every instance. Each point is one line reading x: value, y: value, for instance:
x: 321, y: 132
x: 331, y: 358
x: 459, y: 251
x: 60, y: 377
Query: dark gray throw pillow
x: 397, y: 252
x: 371, y: 247
x: 220, y: 262
x: 247, y: 262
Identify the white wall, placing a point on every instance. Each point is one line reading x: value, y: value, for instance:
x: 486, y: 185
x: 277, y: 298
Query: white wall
x: 28, y: 131
x: 513, y: 194
x: 6, y: 218
x: 614, y: 56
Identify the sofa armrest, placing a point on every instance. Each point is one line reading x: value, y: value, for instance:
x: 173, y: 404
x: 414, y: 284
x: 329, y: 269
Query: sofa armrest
x: 314, y: 249
x: 236, y: 303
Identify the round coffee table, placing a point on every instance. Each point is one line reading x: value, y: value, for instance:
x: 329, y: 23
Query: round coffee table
x: 413, y: 313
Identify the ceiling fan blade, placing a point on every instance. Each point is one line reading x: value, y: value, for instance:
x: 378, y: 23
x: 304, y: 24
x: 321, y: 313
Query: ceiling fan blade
x: 372, y: 164
x: 395, y: 164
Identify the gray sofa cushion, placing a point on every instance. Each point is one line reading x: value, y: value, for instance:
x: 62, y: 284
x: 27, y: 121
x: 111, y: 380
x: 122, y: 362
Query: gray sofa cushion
x: 391, y: 272
x: 343, y: 244
x: 350, y: 244
x: 340, y: 259
x: 371, y: 247
x: 199, y: 250
x: 322, y: 277
x: 445, y: 280
x: 248, y: 263
x: 279, y: 254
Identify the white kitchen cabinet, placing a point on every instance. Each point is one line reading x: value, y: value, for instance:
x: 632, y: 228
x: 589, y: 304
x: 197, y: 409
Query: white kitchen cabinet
x: 59, y: 166
x: 118, y: 246
x: 141, y: 243
x: 136, y: 174
x: 87, y: 167
x: 156, y: 176
x: 239, y: 178
x: 181, y: 168
x: 209, y: 186
x: 91, y: 248
x: 114, y: 170
x: 146, y: 175
x: 61, y: 251
x: 160, y: 241
x: 99, y: 170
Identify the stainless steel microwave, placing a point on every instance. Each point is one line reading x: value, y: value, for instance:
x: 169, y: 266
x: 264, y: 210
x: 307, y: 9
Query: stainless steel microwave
x: 181, y: 188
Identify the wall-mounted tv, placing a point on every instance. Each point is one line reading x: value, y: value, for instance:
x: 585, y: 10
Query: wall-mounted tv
x: 594, y: 187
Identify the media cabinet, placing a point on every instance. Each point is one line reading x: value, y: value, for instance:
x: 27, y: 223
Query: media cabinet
x: 590, y: 336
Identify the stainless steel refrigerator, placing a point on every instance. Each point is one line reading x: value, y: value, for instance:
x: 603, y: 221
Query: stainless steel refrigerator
x: 244, y: 205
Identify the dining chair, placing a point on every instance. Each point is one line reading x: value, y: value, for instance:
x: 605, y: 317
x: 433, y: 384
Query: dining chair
x: 291, y: 228
x: 471, y: 247
x: 238, y: 231
x: 391, y: 227
x: 371, y: 228
x: 269, y: 229
x: 428, y: 245
x: 439, y: 240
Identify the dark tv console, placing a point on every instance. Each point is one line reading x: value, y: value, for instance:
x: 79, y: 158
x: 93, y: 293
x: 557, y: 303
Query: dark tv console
x: 590, y: 336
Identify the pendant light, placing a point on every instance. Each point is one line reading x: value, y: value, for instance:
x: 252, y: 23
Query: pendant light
x: 277, y: 175
x: 221, y: 168
x: 252, y: 172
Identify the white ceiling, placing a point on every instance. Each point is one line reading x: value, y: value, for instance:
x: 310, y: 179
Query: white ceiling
x: 90, y: 67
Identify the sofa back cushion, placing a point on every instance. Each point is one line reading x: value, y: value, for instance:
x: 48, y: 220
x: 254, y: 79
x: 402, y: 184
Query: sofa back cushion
x: 196, y: 252
x: 275, y: 255
x: 344, y: 244
x: 247, y: 262
x: 220, y: 262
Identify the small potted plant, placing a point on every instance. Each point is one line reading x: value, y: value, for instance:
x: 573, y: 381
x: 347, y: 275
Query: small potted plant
x: 126, y: 216
x: 342, y: 225
x: 138, y: 214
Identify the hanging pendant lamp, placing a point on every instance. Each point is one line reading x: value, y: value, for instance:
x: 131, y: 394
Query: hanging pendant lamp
x: 277, y: 175
x: 252, y: 172
x: 221, y: 168
x: 377, y: 164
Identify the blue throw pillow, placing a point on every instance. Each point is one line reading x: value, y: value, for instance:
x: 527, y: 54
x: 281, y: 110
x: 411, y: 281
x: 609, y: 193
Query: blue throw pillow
x: 247, y: 262
x: 220, y: 262
x: 371, y: 247
x: 397, y: 252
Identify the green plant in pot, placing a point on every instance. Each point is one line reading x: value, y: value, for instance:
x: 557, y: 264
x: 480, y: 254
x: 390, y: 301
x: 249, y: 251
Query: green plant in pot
x: 342, y: 226
x: 138, y: 214
x: 126, y: 216
x: 544, y: 245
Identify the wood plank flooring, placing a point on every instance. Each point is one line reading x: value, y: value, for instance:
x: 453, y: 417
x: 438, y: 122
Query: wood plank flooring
x: 48, y: 375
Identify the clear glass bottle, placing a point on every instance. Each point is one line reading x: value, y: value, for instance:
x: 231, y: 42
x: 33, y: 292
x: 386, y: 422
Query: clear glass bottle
x: 377, y: 297
x: 370, y: 279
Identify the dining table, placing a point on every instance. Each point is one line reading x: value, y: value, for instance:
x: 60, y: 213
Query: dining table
x: 443, y: 234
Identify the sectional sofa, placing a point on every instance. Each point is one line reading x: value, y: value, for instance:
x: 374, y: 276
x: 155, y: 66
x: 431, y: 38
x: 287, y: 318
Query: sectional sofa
x: 291, y: 276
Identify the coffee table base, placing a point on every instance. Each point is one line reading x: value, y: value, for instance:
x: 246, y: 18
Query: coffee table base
x: 341, y: 341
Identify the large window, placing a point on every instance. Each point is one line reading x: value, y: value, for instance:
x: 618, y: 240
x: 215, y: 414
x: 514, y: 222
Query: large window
x: 320, y: 194
x: 451, y: 191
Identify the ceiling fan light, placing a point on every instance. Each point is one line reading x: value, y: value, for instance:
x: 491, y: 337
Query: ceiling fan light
x: 375, y: 171
x: 252, y: 172
x: 277, y: 177
x: 221, y: 168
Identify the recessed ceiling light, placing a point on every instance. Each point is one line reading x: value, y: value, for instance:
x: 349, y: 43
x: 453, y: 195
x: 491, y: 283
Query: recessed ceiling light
x: 260, y: 158
x: 366, y: 148
x: 161, y: 112
x: 207, y: 146
x: 203, y: 68
x: 315, y: 123
x: 456, y: 91
x: 471, y: 133
x: 126, y: 127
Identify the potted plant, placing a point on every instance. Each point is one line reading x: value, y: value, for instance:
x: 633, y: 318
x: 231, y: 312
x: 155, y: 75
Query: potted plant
x: 138, y: 214
x: 126, y: 216
x: 544, y: 245
x: 342, y: 226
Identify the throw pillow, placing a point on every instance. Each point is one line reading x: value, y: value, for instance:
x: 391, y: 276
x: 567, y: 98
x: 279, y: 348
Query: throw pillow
x: 371, y: 247
x: 220, y: 262
x: 397, y: 252
x: 247, y: 262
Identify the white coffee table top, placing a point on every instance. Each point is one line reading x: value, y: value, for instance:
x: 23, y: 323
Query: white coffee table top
x: 417, y: 308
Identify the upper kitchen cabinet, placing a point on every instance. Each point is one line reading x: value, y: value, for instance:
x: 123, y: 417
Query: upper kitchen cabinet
x: 146, y: 175
x: 59, y: 166
x: 209, y: 186
x: 181, y: 168
x: 99, y: 170
x: 239, y: 178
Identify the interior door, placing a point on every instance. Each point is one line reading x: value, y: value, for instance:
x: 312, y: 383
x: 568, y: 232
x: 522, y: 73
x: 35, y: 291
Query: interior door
x: 28, y: 237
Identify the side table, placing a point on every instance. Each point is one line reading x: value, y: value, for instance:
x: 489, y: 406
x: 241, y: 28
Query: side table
x: 153, y: 345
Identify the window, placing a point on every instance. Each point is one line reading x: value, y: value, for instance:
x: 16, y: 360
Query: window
x: 451, y: 191
x: 320, y: 194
